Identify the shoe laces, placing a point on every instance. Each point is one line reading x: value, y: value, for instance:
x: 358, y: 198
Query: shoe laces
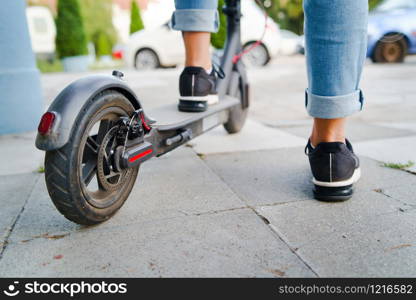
x: 218, y: 71
x: 307, y: 147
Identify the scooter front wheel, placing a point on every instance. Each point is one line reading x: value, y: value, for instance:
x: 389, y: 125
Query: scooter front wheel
x: 237, y: 115
x: 80, y: 177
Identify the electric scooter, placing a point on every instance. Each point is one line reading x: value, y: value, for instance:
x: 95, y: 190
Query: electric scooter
x: 96, y: 133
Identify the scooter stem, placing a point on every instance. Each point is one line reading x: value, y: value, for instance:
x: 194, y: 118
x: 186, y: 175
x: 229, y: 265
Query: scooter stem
x: 233, y: 43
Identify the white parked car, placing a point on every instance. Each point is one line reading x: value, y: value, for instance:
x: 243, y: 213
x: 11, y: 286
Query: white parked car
x: 291, y: 43
x: 162, y: 46
x: 42, y: 31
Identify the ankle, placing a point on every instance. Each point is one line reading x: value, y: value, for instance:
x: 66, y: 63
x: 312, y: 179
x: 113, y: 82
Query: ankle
x: 328, y: 131
x: 205, y: 65
x: 317, y: 139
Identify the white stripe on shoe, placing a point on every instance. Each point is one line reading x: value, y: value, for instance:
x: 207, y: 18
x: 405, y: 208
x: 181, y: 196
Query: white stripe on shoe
x: 193, y: 84
x: 330, y: 167
x: 211, y: 99
x: 354, y: 178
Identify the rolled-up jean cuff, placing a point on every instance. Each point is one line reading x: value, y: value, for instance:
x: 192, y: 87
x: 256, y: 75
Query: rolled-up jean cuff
x: 205, y: 20
x: 333, y: 107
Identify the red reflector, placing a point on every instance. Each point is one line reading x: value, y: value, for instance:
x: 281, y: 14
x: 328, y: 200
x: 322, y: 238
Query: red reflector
x: 118, y: 55
x: 140, y: 155
x: 46, y: 123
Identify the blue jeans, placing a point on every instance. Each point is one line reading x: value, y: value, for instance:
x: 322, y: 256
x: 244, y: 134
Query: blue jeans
x: 336, y: 45
x: 196, y: 15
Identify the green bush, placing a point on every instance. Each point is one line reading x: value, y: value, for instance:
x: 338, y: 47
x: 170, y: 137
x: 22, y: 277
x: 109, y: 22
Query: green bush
x: 289, y: 14
x: 103, y: 44
x: 70, y: 37
x: 218, y: 38
x: 136, y: 22
x: 98, y: 17
x: 373, y: 3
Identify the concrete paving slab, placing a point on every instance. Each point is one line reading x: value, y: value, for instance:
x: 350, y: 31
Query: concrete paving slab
x: 18, y: 154
x: 368, y: 236
x: 397, y: 150
x: 254, y: 136
x: 283, y: 175
x: 14, y: 191
x: 382, y: 246
x: 278, y: 91
x: 305, y: 221
x: 411, y: 126
x: 265, y: 177
x: 177, y: 185
x: 40, y: 218
x: 228, y: 244
x: 375, y: 176
x: 404, y: 193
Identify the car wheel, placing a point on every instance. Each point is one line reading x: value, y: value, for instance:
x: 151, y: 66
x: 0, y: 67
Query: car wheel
x: 257, y: 56
x: 146, y: 59
x: 390, y: 49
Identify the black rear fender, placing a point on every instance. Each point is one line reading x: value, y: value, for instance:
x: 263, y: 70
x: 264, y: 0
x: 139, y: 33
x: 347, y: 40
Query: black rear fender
x: 70, y: 103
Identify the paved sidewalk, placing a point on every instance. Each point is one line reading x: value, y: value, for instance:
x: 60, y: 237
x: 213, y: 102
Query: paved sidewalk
x: 237, y: 205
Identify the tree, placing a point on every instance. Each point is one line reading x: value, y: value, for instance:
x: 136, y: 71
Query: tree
x: 289, y: 13
x: 374, y: 3
x: 218, y: 38
x: 70, y: 37
x: 98, y: 16
x: 103, y: 44
x: 136, y: 22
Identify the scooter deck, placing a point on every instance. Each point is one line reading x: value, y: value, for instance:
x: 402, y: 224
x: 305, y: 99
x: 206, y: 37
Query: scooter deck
x: 170, y: 118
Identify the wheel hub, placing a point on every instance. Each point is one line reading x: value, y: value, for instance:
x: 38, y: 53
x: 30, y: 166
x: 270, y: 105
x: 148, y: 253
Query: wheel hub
x: 391, y: 51
x: 109, y: 175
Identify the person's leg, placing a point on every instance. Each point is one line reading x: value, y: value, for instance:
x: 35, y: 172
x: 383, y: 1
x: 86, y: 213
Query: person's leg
x: 196, y: 19
x: 197, y: 49
x: 336, y: 42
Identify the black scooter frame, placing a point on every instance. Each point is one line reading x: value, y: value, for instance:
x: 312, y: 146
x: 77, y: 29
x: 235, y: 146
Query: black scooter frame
x: 160, y: 138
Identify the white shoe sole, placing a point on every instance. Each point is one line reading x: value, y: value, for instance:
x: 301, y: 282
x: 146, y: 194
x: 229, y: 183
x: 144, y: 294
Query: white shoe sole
x: 354, y: 178
x: 210, y: 99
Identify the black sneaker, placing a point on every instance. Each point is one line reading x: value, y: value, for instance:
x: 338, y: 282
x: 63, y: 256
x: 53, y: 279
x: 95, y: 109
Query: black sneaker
x: 335, y: 169
x: 197, y: 89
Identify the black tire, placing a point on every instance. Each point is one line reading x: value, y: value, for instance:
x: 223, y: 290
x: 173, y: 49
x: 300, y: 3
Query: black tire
x: 237, y: 116
x: 257, y: 57
x: 390, y: 49
x: 63, y: 167
x: 146, y: 59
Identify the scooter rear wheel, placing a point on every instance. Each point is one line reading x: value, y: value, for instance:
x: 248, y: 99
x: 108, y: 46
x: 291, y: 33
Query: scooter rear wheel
x: 80, y: 177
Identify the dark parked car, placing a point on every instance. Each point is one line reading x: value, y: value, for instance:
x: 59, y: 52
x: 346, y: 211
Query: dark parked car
x: 392, y: 31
